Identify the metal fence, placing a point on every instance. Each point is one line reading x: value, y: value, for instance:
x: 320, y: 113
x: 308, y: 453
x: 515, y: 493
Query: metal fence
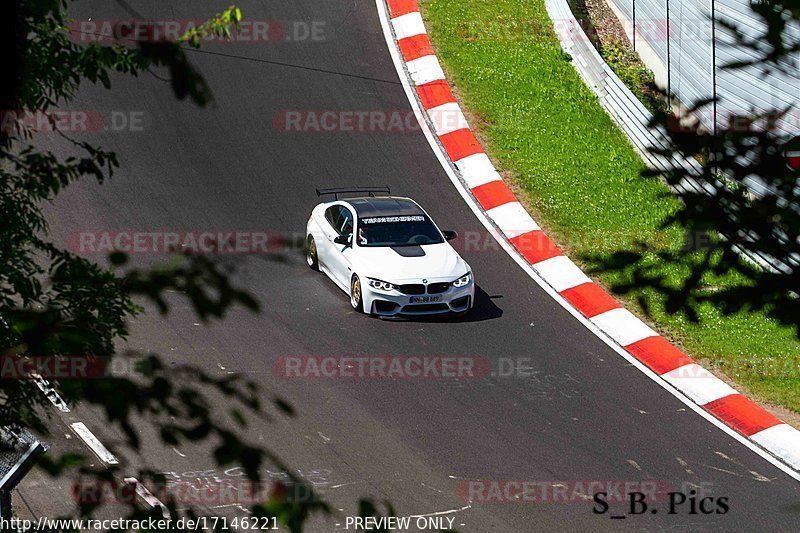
x: 619, y: 102
x: 627, y: 111
x: 686, y: 41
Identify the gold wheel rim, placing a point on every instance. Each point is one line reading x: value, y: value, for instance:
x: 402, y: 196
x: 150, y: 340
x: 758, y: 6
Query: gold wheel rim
x: 312, y: 253
x: 356, y: 292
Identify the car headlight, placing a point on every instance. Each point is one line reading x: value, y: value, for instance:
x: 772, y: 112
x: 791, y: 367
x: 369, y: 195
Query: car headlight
x: 463, y: 280
x: 380, y: 285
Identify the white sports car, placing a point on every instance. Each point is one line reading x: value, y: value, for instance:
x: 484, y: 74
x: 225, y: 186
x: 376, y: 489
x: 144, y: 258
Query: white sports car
x: 388, y: 255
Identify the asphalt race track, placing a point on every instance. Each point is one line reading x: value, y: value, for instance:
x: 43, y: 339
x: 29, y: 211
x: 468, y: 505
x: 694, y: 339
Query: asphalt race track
x: 580, y: 412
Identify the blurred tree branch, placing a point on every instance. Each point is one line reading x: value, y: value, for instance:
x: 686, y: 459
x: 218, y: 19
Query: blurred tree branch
x: 56, y: 304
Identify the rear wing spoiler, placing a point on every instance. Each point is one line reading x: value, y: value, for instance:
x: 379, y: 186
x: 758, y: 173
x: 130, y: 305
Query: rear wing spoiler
x: 371, y: 191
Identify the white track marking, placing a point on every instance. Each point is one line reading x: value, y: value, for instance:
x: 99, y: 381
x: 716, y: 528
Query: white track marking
x: 781, y: 437
x: 622, y: 326
x: 146, y: 496
x: 408, y: 25
x: 447, y: 118
x: 50, y: 393
x: 512, y: 219
x: 477, y: 169
x: 440, y: 513
x: 698, y: 383
x: 94, y: 443
x: 561, y: 273
x: 425, y: 70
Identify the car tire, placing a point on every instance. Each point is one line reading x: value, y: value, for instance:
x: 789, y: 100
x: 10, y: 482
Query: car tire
x: 356, y: 296
x: 312, y: 258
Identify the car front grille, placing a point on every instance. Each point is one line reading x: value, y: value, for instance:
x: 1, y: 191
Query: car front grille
x: 413, y: 288
x: 419, y: 288
x: 424, y: 308
x: 436, y: 288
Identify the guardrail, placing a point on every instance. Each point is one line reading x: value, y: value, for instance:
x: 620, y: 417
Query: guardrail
x: 18, y: 453
x: 629, y: 114
x: 619, y: 102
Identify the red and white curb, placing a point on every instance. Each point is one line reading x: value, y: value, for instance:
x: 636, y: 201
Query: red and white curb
x: 414, y: 56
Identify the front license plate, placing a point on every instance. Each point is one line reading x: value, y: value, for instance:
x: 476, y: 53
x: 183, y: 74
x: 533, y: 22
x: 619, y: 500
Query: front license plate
x: 425, y: 299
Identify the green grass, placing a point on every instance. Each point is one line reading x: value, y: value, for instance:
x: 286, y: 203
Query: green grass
x: 581, y: 178
x: 638, y: 78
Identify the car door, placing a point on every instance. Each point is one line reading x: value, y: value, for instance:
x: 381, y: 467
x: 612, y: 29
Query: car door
x: 325, y: 248
x: 340, y: 223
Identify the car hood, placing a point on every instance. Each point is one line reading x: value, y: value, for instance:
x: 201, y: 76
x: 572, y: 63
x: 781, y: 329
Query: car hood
x: 405, y: 263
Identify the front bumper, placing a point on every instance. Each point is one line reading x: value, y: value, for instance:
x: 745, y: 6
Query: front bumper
x: 393, y: 303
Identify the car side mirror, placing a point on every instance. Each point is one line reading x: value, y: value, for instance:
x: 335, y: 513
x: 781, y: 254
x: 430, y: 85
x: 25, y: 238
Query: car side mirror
x: 449, y: 234
x: 342, y: 239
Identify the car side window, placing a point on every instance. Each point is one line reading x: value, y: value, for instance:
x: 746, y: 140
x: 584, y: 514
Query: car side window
x: 332, y: 215
x: 345, y: 221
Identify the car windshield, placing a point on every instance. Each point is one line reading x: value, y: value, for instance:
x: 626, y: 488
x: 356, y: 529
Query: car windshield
x: 404, y: 230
